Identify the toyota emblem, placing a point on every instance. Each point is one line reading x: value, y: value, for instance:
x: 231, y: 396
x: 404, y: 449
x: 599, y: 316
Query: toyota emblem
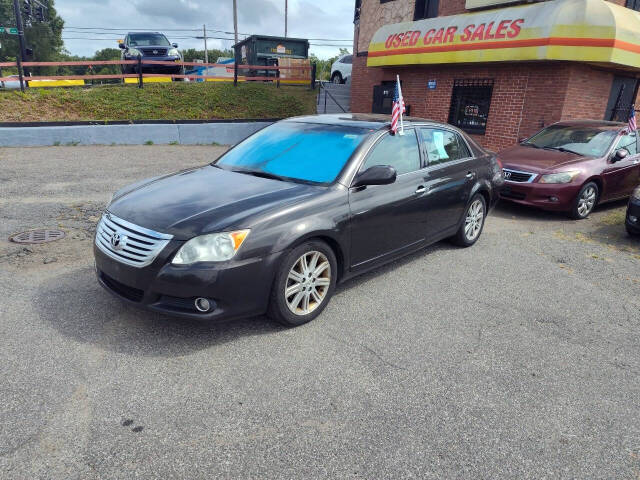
x: 118, y: 241
x: 155, y: 52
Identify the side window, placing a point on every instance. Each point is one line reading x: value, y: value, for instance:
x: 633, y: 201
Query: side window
x: 629, y: 143
x: 443, y: 146
x: 348, y: 59
x: 399, y: 151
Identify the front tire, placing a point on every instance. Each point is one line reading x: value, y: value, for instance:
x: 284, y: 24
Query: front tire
x: 471, y: 229
x: 585, y: 201
x: 336, y: 78
x: 304, y: 284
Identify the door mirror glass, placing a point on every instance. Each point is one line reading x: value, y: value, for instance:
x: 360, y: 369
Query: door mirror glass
x: 175, y: 45
x: 376, y: 175
x: 620, y: 154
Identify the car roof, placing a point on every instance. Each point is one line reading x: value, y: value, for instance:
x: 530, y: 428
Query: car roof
x: 604, y: 124
x: 371, y: 121
x: 142, y: 33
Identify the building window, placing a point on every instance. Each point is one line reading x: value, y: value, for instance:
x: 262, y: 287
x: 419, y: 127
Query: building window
x: 426, y: 9
x: 633, y: 4
x: 470, y: 102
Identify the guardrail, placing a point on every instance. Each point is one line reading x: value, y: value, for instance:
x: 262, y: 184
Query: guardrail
x: 256, y: 73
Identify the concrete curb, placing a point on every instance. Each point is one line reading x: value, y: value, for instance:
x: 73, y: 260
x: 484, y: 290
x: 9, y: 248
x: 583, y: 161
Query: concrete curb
x: 137, y: 134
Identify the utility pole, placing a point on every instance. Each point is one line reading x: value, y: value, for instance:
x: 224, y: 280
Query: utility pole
x: 23, y: 52
x: 206, y: 50
x: 235, y: 20
x: 286, y: 16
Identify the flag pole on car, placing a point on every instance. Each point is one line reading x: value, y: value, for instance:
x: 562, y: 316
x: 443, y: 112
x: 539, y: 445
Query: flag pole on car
x: 398, y: 109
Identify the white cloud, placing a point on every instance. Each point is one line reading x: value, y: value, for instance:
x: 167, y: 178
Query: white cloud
x: 330, y: 19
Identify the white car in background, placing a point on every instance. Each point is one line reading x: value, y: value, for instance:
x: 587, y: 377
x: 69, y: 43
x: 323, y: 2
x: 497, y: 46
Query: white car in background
x: 341, y: 69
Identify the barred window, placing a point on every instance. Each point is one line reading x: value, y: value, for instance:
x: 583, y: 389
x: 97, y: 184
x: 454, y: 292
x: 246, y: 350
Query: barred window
x: 470, y: 103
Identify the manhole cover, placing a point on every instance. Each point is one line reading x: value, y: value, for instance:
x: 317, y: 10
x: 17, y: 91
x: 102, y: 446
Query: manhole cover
x: 37, y: 236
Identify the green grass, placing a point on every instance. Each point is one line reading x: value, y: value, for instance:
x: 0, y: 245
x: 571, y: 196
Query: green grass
x: 174, y: 101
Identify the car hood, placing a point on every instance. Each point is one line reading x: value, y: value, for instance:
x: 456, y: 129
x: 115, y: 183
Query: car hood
x: 537, y: 160
x: 204, y: 200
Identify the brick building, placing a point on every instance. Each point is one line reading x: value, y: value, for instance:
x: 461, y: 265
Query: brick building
x: 498, y: 69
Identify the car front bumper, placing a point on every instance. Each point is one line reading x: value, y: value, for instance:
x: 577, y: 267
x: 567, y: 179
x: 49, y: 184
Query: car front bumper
x: 633, y: 212
x: 235, y: 289
x: 150, y: 68
x: 548, y: 196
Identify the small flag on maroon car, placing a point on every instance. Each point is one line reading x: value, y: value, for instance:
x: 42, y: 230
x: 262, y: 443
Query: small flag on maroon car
x: 633, y: 126
x: 398, y: 108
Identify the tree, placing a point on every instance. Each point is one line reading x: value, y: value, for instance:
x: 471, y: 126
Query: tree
x: 44, y: 38
x: 191, y: 54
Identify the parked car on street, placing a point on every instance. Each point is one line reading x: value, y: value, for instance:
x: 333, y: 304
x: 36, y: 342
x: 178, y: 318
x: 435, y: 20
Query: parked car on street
x: 12, y: 84
x: 572, y: 167
x: 341, y: 69
x: 633, y: 213
x: 276, y: 222
x: 151, y: 46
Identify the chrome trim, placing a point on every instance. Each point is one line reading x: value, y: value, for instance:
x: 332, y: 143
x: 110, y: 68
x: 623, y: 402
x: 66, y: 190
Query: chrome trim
x: 140, y: 246
x: 532, y: 176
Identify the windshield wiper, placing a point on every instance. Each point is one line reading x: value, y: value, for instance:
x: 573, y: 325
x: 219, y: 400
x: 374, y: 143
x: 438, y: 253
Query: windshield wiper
x: 259, y: 173
x: 562, y: 149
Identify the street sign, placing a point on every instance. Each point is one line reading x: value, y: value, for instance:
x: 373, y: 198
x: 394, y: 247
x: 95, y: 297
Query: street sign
x: 1, y: 29
x: 12, y: 31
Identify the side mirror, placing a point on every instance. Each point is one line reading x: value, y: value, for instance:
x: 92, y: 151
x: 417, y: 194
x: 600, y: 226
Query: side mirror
x: 620, y: 154
x: 174, y: 45
x: 376, y: 175
x: 122, y: 46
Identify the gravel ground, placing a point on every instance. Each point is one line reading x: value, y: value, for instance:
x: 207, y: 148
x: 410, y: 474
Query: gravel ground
x: 517, y: 358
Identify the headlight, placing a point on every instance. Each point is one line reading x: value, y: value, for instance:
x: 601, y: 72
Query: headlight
x: 173, y: 52
x: 133, y: 52
x: 215, y: 247
x: 563, y: 177
x: 636, y: 193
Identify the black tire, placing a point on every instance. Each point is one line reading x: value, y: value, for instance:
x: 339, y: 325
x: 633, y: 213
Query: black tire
x: 632, y: 233
x: 337, y: 78
x: 279, y: 309
x: 466, y: 237
x: 585, y: 201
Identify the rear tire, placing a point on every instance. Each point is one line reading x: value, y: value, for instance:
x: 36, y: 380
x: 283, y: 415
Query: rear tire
x: 304, y: 284
x: 473, y: 224
x: 585, y: 201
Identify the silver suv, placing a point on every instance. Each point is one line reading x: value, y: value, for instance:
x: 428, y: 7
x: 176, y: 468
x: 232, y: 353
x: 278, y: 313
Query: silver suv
x: 341, y: 69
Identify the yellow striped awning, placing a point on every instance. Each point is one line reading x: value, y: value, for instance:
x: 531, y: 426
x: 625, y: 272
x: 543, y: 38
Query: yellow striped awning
x: 594, y: 31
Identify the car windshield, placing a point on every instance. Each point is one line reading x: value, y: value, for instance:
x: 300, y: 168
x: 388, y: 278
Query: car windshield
x: 148, y: 40
x: 589, y: 141
x: 305, y: 152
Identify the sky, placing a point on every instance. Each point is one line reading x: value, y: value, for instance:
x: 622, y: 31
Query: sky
x: 328, y: 19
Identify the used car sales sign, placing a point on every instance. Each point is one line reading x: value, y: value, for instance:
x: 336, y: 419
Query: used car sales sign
x: 576, y: 30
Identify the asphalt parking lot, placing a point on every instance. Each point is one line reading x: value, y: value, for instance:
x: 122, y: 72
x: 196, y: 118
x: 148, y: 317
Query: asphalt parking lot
x: 517, y: 358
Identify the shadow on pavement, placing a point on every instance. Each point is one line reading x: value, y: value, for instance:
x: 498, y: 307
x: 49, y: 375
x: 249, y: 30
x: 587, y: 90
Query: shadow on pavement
x: 79, y: 308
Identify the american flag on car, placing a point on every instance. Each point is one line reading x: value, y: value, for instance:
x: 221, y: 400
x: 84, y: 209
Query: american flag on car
x: 398, y: 109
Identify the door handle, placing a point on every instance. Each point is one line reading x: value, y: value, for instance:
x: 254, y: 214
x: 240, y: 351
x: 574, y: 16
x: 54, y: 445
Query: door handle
x: 421, y: 189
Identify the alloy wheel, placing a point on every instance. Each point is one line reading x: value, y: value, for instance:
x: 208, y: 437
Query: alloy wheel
x: 587, y: 201
x: 474, y: 220
x: 308, y: 283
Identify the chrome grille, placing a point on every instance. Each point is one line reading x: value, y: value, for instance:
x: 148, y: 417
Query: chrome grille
x: 128, y: 243
x: 154, y: 52
x: 518, y: 176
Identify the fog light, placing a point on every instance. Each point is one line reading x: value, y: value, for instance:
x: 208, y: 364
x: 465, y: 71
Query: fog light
x: 554, y: 199
x: 633, y: 219
x: 202, y: 305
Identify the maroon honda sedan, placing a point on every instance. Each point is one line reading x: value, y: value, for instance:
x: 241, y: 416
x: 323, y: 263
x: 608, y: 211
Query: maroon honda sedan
x: 572, y: 166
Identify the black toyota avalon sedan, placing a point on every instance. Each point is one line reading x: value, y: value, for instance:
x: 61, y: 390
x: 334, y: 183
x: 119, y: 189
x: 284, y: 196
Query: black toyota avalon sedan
x: 276, y: 222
